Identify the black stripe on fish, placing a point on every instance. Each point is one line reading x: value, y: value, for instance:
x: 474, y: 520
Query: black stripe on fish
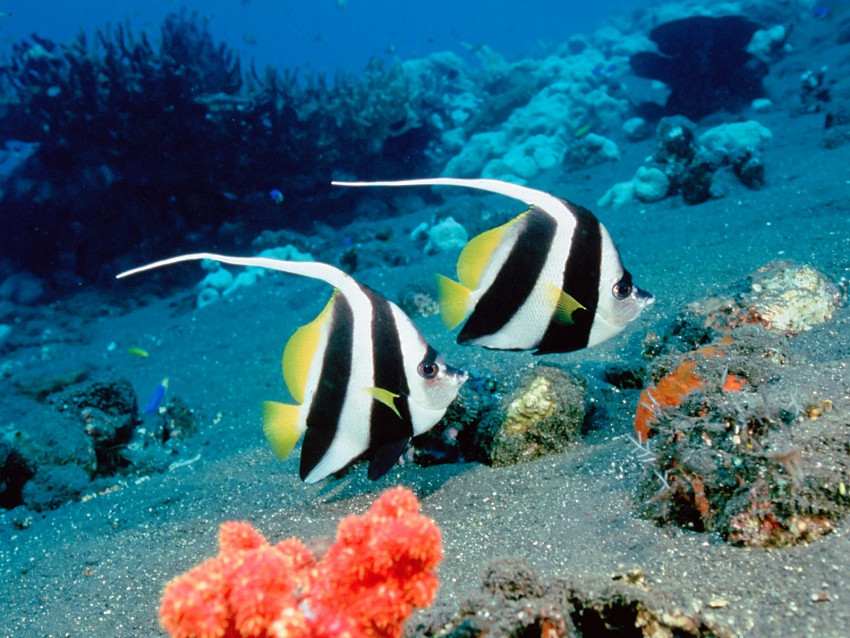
x: 385, y: 426
x: 326, y: 407
x: 581, y: 282
x: 382, y: 458
x: 516, y: 278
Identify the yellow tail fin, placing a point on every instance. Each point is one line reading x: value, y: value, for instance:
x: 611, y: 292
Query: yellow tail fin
x: 281, y: 427
x: 454, y: 301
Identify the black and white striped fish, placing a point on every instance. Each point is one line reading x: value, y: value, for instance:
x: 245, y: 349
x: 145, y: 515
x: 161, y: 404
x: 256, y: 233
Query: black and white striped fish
x: 364, y: 378
x: 550, y: 279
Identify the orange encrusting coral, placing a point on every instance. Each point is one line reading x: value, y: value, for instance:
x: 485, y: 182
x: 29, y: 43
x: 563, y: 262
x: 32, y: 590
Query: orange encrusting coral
x: 670, y: 391
x: 379, y: 569
x: 734, y: 383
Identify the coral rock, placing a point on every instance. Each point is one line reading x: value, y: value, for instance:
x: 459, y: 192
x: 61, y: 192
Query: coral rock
x: 542, y: 416
x: 791, y: 297
x: 650, y: 184
x: 744, y: 439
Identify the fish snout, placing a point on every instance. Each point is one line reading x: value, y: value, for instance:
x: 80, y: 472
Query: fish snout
x: 460, y: 376
x: 643, y: 297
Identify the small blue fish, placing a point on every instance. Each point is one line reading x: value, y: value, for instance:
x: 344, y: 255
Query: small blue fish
x: 157, y: 397
x: 598, y: 70
x: 829, y: 10
x: 276, y: 195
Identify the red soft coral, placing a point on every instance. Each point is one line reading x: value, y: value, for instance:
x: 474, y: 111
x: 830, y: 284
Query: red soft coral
x: 379, y: 569
x: 381, y: 565
x: 195, y: 604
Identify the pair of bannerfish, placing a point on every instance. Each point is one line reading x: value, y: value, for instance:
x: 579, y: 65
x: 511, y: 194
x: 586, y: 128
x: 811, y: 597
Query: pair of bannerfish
x: 365, y: 379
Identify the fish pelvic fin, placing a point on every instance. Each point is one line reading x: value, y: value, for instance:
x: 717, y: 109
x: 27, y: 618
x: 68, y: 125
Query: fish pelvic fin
x: 386, y: 397
x: 281, y: 427
x: 300, y: 350
x: 454, y: 301
x: 565, y: 306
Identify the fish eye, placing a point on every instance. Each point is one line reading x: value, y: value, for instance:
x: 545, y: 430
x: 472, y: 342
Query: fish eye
x: 622, y: 288
x: 428, y: 370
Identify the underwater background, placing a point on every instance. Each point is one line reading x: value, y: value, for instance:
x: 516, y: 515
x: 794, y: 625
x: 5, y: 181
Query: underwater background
x: 331, y: 36
x: 688, y: 476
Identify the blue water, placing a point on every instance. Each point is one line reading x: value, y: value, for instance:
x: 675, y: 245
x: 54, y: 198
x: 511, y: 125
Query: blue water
x: 323, y: 36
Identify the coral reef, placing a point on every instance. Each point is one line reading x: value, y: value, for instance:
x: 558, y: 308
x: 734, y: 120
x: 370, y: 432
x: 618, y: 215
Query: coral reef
x: 551, y: 102
x: 366, y: 584
x: 220, y: 282
x: 122, y: 131
x: 814, y: 90
x: 22, y: 289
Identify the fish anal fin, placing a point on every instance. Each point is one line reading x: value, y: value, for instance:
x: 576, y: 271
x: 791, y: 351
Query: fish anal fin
x: 281, y: 427
x: 386, y: 397
x: 300, y: 351
x: 477, y: 253
x: 565, y: 306
x: 454, y: 301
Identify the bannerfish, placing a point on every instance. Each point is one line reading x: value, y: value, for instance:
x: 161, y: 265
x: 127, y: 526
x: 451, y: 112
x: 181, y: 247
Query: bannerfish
x: 364, y: 378
x: 549, y: 280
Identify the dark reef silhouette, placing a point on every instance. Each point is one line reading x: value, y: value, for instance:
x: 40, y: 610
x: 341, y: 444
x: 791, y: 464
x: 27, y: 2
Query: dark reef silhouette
x: 146, y: 147
x: 705, y: 63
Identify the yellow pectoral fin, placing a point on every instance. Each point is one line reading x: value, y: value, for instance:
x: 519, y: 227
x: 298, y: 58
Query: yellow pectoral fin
x: 281, y: 427
x: 454, y: 301
x: 300, y: 351
x: 477, y: 252
x: 386, y: 397
x: 565, y: 306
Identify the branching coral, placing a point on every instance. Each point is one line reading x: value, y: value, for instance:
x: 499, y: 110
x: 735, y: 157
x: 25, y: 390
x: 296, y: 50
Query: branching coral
x: 366, y: 585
